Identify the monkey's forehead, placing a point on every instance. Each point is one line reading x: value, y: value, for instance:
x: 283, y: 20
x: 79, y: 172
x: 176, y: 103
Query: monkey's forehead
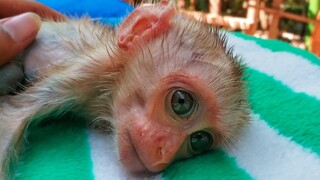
x: 187, y: 44
x: 195, y: 30
x: 187, y: 38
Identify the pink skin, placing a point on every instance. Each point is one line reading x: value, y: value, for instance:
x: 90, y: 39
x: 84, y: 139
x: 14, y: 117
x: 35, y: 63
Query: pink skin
x: 147, y: 145
x: 149, y: 138
x: 144, y: 24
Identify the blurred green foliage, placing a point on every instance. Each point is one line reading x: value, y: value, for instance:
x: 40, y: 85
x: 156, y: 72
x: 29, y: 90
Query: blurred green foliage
x: 233, y: 8
x: 299, y: 7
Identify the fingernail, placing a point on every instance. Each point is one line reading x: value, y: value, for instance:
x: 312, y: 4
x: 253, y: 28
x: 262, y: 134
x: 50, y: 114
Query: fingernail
x: 22, y: 27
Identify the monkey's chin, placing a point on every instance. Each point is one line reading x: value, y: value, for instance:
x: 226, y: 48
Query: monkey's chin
x: 129, y: 157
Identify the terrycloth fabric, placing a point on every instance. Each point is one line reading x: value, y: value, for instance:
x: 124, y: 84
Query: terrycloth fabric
x: 281, y: 142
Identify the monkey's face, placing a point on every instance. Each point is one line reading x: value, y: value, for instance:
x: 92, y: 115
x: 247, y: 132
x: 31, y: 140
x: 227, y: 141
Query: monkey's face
x: 179, y: 96
x: 170, y: 123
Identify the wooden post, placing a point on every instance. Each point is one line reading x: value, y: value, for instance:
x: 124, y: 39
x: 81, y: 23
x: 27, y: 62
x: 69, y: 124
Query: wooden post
x: 274, y: 24
x: 181, y: 4
x: 263, y: 18
x: 215, y: 7
x: 192, y: 5
x: 253, y: 16
x: 313, y: 8
x: 315, y: 38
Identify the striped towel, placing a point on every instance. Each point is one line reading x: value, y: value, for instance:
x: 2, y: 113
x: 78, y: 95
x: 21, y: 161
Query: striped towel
x: 282, y: 141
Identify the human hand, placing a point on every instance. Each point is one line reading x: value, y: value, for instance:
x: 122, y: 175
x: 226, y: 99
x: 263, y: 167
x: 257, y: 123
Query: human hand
x: 19, y: 24
x: 20, y: 21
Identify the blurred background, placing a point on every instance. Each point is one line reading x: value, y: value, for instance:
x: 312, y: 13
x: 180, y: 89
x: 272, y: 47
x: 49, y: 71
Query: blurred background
x: 294, y: 21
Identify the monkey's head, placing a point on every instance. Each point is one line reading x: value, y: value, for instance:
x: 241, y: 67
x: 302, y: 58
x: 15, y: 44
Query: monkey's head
x: 181, y: 93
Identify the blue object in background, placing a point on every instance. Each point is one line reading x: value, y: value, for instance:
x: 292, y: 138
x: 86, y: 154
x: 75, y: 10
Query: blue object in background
x: 107, y: 11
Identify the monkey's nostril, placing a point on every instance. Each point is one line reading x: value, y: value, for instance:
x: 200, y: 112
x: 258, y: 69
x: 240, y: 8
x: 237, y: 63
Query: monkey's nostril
x: 163, y: 158
x: 160, y: 152
x: 163, y: 152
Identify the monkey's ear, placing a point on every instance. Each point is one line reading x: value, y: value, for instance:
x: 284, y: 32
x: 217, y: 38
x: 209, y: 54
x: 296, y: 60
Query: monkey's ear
x: 144, y: 23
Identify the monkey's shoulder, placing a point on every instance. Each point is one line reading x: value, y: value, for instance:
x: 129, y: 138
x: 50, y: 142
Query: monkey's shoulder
x: 71, y: 41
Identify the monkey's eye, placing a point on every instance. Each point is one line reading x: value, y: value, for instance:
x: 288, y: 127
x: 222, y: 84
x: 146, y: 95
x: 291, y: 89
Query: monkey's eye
x: 182, y: 103
x: 200, y: 141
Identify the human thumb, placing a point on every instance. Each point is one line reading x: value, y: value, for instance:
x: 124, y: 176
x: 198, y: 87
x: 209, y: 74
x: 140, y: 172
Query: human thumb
x: 16, y: 33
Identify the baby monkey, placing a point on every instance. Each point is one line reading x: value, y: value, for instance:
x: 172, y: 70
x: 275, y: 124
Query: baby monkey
x: 167, y: 85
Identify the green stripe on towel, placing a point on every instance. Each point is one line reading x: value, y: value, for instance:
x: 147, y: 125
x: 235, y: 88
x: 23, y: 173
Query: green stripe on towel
x: 294, y: 115
x: 59, y: 151
x: 213, y: 165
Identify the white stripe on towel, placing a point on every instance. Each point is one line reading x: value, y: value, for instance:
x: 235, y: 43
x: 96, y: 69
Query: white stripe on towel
x: 265, y: 154
x: 105, y: 161
x: 296, y: 72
